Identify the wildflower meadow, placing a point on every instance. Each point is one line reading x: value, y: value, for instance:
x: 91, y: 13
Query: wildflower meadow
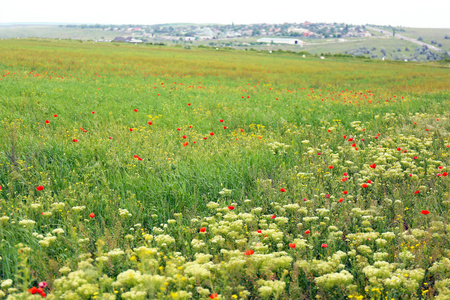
x: 156, y: 172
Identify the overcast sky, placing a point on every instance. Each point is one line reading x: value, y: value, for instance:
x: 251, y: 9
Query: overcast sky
x: 410, y: 13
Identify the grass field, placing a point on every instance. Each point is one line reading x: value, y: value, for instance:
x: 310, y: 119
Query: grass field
x: 155, y: 172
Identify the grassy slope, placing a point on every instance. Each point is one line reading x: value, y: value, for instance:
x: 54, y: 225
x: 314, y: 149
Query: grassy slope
x: 55, y: 32
x: 429, y: 34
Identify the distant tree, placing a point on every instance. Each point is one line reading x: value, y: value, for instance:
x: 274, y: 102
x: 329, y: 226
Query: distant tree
x: 406, y: 49
x: 420, y: 38
x: 439, y: 45
x: 383, y: 51
x: 374, y: 48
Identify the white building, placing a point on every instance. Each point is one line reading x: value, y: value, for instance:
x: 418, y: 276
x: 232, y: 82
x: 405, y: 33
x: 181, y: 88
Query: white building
x: 280, y: 41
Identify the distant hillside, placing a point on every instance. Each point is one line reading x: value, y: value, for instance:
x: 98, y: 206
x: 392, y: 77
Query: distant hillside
x: 371, y: 41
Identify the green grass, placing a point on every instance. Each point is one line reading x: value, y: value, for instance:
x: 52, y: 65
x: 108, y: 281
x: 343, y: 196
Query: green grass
x: 164, y: 226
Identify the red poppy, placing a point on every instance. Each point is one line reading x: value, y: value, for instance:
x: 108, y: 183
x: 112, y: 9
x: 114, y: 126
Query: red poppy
x: 189, y: 104
x: 249, y: 252
x: 364, y: 185
x: 92, y: 215
x: 324, y: 245
x: 212, y: 133
x: 369, y: 181
x: 74, y: 140
x: 131, y: 129
x: 230, y: 207
x: 345, y: 174
x: 242, y: 130
x: 136, y: 156
x: 0, y: 187
x: 373, y: 166
x: 55, y: 115
x: 40, y: 188
x: 308, y: 231
x: 213, y: 296
x: 444, y: 174
x: 273, y: 217
x: 341, y: 199
x: 440, y: 167
x: 224, y: 127
x: 109, y: 137
x: 184, y: 136
x: 185, y: 144
x: 292, y: 245
x: 399, y: 149
x: 178, y: 129
x: 424, y: 212
x: 203, y: 229
x: 416, y: 192
x: 345, y: 192
x: 345, y: 137
x: 47, y: 121
x: 415, y: 157
x: 205, y: 138
x: 318, y: 153
x: 350, y: 140
x: 327, y: 196
x: 282, y: 190
x: 259, y: 231
x: 330, y: 167
x: 93, y: 112
x: 221, y: 120
x: 135, y: 110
